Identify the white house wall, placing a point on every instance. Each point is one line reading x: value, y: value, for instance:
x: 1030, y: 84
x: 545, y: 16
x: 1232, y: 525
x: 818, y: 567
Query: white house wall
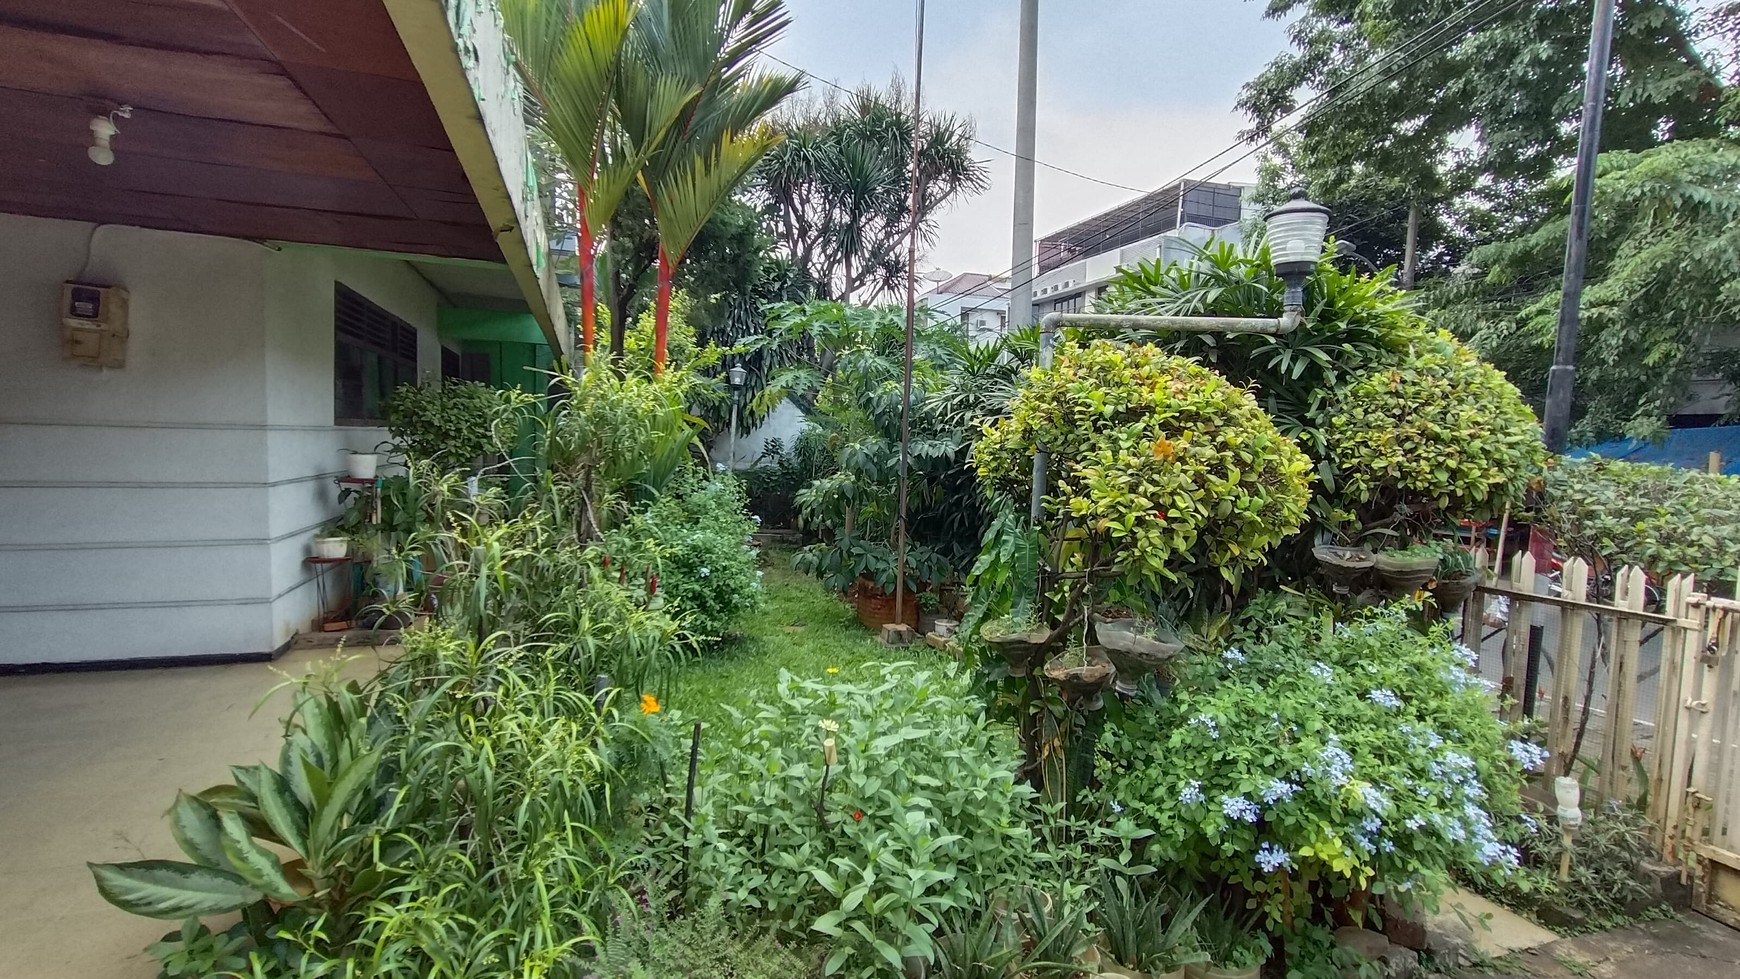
x: 161, y: 510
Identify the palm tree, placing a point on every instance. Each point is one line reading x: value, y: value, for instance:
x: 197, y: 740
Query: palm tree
x: 703, y: 50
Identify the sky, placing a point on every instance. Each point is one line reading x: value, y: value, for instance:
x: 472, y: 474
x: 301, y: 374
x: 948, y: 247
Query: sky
x: 1135, y: 92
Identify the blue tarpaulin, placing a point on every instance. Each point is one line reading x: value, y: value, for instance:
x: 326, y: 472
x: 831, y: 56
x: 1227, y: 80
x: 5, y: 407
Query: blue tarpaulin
x: 1688, y: 448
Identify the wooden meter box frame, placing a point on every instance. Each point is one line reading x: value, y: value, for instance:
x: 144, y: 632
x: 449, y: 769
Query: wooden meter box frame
x: 93, y: 324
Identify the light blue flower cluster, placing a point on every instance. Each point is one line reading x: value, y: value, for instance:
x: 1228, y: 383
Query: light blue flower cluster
x: 1277, y: 790
x: 1192, y: 793
x: 1384, y: 697
x: 1373, y: 799
x: 1530, y: 756
x: 1272, y: 858
x: 1233, y: 656
x: 1323, y: 671
x: 1335, y: 764
x: 1240, y: 808
x: 1468, y: 656
x: 1207, y: 724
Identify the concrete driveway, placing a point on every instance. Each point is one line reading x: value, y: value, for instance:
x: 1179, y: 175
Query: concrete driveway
x: 88, y: 764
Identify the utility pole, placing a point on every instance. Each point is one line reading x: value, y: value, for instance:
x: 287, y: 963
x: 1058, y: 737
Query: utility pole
x: 1410, y: 252
x: 1561, y: 378
x: 911, y: 304
x: 1026, y: 107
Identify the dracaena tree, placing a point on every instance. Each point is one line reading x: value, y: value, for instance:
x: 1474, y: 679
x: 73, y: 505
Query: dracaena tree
x: 695, y: 156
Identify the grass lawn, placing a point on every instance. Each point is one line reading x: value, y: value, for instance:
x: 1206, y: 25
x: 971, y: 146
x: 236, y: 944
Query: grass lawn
x: 800, y: 628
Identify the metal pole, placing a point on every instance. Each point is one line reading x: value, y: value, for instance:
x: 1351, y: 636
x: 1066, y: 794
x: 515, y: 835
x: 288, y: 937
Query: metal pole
x: 1410, y: 255
x: 1026, y: 102
x: 911, y: 302
x: 1561, y: 378
x: 732, y: 465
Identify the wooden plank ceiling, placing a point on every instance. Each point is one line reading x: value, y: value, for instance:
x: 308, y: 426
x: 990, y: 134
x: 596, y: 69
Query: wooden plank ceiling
x: 301, y: 121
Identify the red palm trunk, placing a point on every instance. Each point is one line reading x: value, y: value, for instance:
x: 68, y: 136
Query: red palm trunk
x: 588, y: 304
x: 662, y: 312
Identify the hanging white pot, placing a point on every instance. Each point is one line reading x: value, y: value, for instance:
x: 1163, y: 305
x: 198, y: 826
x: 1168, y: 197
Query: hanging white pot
x: 361, y: 465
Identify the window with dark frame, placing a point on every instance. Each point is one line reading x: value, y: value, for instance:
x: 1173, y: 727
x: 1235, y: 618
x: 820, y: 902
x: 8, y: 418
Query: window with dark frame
x: 374, y: 352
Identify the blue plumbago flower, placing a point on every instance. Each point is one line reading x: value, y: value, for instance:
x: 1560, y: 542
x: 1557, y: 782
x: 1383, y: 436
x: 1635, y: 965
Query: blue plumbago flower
x: 1374, y: 800
x: 1469, y: 657
x: 1240, y: 808
x: 1503, y: 854
x: 1531, y: 822
x: 1370, y: 825
x: 1384, y: 697
x: 706, y: 572
x: 1233, y: 655
x: 1530, y: 756
x: 1386, y: 845
x: 1337, y: 765
x: 1272, y: 858
x: 1117, y: 806
x: 1414, y: 822
x: 1278, y: 789
x: 1323, y: 671
x: 1453, y: 767
x: 1207, y: 724
x: 1192, y: 793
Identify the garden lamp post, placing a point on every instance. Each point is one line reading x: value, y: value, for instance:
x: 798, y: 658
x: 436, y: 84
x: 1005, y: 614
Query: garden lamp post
x: 738, y: 375
x: 1294, y: 232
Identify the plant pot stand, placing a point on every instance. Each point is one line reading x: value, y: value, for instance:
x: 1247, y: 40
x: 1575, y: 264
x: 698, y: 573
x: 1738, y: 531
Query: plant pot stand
x: 1083, y: 686
x: 1133, y: 655
x: 1450, y: 594
x: 1021, y: 650
x: 1404, y: 576
x: 1343, y: 566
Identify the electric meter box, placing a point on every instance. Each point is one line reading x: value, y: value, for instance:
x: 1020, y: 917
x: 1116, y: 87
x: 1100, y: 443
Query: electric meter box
x: 93, y: 324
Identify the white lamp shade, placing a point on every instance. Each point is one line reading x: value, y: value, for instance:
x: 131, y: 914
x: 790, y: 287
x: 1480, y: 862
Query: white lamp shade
x: 1296, y: 231
x: 738, y: 375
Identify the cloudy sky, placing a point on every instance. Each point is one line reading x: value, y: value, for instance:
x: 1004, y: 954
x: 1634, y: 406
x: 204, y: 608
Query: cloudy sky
x: 1131, y: 91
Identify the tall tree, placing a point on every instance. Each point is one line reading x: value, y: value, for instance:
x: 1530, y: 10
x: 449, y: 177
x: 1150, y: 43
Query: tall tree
x: 708, y: 48
x: 1466, y: 107
x: 838, y: 189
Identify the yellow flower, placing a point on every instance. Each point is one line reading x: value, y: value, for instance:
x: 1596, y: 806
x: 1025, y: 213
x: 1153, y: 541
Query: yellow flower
x: 649, y: 704
x: 833, y: 669
x: 1163, y: 448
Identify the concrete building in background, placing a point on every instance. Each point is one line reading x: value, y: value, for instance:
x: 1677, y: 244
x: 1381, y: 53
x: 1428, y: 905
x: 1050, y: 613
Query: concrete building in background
x: 979, y: 301
x: 304, y: 205
x: 1168, y: 224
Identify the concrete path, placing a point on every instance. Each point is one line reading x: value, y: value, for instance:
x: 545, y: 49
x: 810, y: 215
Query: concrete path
x: 1693, y: 947
x: 88, y: 764
x: 1497, y: 929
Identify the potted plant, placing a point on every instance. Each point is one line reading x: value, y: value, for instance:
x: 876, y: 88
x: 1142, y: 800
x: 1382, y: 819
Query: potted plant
x: 361, y: 465
x: 1406, y: 570
x: 331, y: 545
x: 1019, y: 638
x: 1454, y: 577
x: 1082, y: 673
x: 863, y: 572
x: 1235, y: 946
x: 1343, y: 565
x: 1147, y: 936
x: 1136, y: 645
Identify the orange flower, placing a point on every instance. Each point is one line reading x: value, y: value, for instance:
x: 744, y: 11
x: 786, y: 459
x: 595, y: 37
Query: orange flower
x: 1164, y: 449
x: 858, y: 815
x: 649, y: 704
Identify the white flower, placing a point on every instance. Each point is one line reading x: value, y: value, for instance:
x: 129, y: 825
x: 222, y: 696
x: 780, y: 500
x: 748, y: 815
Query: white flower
x: 719, y: 467
x: 706, y: 572
x: 830, y: 725
x: 756, y: 517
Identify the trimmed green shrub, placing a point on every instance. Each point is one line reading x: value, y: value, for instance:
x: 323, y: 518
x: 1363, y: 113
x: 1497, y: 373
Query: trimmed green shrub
x: 695, y: 540
x: 1662, y: 518
x: 920, y: 814
x: 1439, y: 431
x: 1174, y: 466
x: 456, y: 423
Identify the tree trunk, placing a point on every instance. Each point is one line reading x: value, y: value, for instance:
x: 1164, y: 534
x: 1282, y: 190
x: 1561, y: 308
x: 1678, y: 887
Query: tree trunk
x: 588, y: 289
x: 662, y: 312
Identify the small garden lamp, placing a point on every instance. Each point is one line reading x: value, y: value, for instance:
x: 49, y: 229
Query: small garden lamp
x: 1568, y: 794
x: 737, y: 374
x: 1296, y: 231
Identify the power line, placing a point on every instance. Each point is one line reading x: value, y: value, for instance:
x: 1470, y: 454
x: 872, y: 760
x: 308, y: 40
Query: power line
x: 990, y: 146
x: 1327, y: 98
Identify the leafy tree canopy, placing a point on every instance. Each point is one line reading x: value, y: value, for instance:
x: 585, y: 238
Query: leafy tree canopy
x: 837, y: 190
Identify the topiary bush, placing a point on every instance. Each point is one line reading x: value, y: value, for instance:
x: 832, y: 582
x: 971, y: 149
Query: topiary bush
x: 1174, y: 466
x: 918, y: 814
x: 1437, y: 431
x: 1662, y: 518
x: 1314, y: 762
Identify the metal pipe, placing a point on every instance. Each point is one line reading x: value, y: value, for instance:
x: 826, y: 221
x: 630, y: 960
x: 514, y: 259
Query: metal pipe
x: 911, y: 285
x: 1293, y: 314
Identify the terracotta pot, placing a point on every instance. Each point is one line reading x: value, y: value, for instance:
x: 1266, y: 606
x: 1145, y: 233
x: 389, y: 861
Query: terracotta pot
x: 876, y: 607
x: 1082, y: 686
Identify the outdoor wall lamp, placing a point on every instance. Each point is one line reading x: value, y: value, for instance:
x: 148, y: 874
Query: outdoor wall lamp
x: 738, y: 375
x: 1294, y: 231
